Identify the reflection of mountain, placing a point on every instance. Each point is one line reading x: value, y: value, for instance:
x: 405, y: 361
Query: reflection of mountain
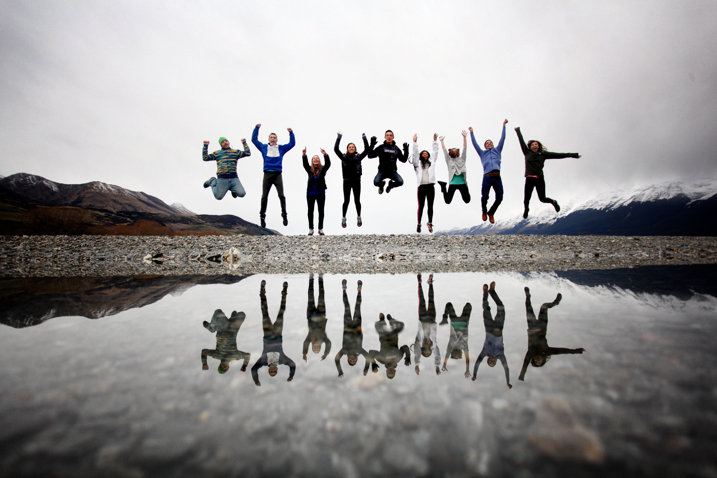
x: 31, y: 301
x: 669, y: 209
x: 683, y: 282
x: 31, y: 204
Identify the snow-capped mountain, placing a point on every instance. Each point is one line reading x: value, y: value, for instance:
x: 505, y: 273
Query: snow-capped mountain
x: 179, y: 207
x: 667, y: 209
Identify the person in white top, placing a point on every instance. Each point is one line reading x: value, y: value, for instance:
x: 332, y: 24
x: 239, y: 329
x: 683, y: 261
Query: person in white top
x: 425, y: 166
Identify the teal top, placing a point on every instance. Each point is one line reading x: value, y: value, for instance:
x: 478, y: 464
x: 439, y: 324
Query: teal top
x: 458, y: 179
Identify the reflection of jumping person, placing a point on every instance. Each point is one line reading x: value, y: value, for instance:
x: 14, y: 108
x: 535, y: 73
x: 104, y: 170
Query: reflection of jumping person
x: 388, y: 153
x: 226, y: 158
x: 273, y: 353
x: 390, y: 354
x: 426, y: 177
x: 426, y: 343
x: 316, y: 317
x: 458, y: 342
x: 539, y: 352
x: 493, y: 347
x: 353, y: 334
x: 351, y: 171
x: 535, y: 156
x: 316, y: 187
x: 226, y: 348
x: 490, y: 157
x: 273, y: 155
x: 456, y: 172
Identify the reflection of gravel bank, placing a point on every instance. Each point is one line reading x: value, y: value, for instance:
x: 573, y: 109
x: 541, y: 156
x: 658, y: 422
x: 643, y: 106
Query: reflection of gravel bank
x: 129, y: 255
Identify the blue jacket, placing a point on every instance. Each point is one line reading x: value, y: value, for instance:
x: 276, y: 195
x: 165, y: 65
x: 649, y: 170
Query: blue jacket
x: 490, y: 157
x: 272, y: 156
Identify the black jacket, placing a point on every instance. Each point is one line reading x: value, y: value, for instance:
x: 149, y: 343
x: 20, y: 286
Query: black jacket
x: 322, y: 171
x: 534, y: 162
x: 387, y: 156
x: 351, y: 163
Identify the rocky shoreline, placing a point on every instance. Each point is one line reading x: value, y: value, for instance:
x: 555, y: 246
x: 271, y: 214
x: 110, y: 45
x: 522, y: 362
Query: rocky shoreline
x: 102, y: 256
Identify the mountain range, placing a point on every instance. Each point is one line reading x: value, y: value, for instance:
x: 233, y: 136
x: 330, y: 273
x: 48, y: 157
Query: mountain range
x: 668, y: 209
x: 31, y: 204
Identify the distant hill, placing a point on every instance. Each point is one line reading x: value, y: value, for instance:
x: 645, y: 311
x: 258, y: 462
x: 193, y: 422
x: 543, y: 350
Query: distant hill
x: 669, y: 209
x: 31, y: 204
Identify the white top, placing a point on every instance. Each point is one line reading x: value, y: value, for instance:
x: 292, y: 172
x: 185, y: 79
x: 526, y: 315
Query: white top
x: 416, y: 160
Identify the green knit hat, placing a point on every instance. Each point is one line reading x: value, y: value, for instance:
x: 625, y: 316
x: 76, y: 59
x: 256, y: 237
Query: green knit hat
x: 222, y: 139
x: 219, y: 369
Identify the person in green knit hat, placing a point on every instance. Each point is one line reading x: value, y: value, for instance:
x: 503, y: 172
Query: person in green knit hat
x: 226, y: 349
x: 226, y: 158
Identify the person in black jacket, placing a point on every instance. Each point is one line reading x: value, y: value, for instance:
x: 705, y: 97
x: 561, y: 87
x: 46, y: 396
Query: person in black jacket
x: 535, y: 156
x: 351, y: 169
x: 353, y: 333
x: 388, y: 153
x: 316, y: 187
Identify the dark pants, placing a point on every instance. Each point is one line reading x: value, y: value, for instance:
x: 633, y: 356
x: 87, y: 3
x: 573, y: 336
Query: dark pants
x: 272, y: 178
x: 497, y: 184
x: 272, y: 330
x: 312, y: 309
x: 539, y: 185
x: 355, y: 186
x: 426, y: 313
x: 352, y: 325
x: 493, y: 326
x: 463, y: 188
x: 395, y: 179
x: 320, y: 200
x: 426, y: 191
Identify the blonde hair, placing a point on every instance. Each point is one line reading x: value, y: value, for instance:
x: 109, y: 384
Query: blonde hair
x: 315, y: 171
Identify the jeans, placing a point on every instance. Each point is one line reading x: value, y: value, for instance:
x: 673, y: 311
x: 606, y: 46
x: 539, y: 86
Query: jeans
x: 497, y: 184
x: 395, y: 179
x: 220, y: 186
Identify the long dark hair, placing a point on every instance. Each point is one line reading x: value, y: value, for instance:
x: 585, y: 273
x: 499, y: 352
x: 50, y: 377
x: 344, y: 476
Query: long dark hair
x: 540, y: 145
x: 426, y: 160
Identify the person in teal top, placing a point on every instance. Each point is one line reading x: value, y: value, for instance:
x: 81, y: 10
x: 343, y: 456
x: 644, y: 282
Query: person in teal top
x: 456, y: 172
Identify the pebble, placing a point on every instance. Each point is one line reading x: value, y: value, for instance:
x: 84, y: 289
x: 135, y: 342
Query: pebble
x: 69, y: 256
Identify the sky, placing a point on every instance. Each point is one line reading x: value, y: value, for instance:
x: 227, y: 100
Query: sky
x: 125, y: 92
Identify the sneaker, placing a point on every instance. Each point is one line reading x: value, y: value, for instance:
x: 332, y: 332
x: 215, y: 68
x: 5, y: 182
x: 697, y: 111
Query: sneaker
x: 208, y: 182
x: 208, y: 326
x: 263, y: 222
x: 485, y: 216
x: 321, y: 232
x: 557, y: 206
x: 381, y: 316
x: 343, y: 284
x: 492, y: 285
x: 491, y: 219
x: 485, y: 288
x: 343, y: 222
x: 442, y: 184
x: 525, y: 213
x: 359, y: 222
x: 380, y: 188
x: 430, y: 227
x: 286, y: 220
x: 430, y: 279
x: 418, y: 228
x: 234, y: 195
x: 311, y: 232
x: 359, y: 285
x: 388, y: 189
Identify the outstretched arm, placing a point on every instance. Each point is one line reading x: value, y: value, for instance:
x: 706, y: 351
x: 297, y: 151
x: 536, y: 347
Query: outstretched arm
x: 475, y: 143
x: 523, y: 146
x: 327, y: 163
x: 502, y: 137
x: 305, y: 161
x: 336, y: 147
x: 366, y: 147
x: 478, y: 361
x: 414, y: 156
x: 255, y: 136
x: 551, y: 155
x: 404, y: 157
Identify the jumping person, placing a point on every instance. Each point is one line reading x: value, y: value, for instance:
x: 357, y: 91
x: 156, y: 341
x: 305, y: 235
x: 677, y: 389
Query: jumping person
x: 273, y: 155
x: 226, y: 158
x: 426, y: 343
x: 388, y: 153
x: 226, y: 349
x: 539, y: 352
x: 390, y: 354
x: 458, y: 341
x: 273, y: 353
x: 426, y: 178
x: 535, y: 156
x: 316, y: 187
x: 490, y: 157
x: 351, y: 170
x: 353, y: 334
x: 493, y: 347
x: 456, y: 162
x: 316, y: 318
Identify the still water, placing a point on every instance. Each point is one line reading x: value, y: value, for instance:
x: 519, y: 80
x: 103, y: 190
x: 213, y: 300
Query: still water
x: 607, y: 373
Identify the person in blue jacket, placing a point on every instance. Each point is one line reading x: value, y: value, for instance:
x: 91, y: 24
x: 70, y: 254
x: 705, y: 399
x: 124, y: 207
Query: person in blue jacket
x: 273, y: 154
x: 490, y: 157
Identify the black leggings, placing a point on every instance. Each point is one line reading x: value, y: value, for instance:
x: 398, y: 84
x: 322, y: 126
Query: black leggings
x: 349, y: 185
x: 463, y: 188
x: 426, y: 191
x: 539, y: 185
x: 320, y: 199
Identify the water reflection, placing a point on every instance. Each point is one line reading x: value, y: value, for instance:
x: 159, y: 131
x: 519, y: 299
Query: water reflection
x: 109, y: 398
x: 539, y: 352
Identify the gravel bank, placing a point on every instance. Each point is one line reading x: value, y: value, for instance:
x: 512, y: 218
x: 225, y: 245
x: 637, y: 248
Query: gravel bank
x: 48, y: 256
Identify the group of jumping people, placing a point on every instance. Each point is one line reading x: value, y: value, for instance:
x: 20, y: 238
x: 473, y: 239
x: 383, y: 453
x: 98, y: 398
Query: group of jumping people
x: 388, y: 154
x: 390, y: 354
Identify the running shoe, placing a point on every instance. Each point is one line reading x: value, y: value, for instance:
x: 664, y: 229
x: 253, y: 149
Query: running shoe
x: 208, y: 182
x: 343, y: 284
x: 557, y: 206
x: 359, y: 222
x: 388, y: 189
x: 430, y: 227
x: 485, y: 216
x: 263, y: 222
x: 380, y: 188
x: 286, y: 220
x: 343, y: 222
x: 321, y: 232
x: 311, y: 232
x: 491, y: 219
x: 418, y: 228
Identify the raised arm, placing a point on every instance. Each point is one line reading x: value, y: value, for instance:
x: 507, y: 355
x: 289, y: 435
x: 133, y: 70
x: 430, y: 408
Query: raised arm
x: 372, y: 153
x: 336, y: 147
x: 337, y: 360
x: 465, y: 141
x: 327, y: 163
x: 478, y: 361
x: 475, y: 143
x: 366, y: 147
x: 414, y: 157
x: 404, y: 157
x: 205, y: 156
x: 291, y: 143
x: 255, y: 136
x: 523, y: 146
x: 504, y: 361
x: 305, y: 163
x: 502, y: 137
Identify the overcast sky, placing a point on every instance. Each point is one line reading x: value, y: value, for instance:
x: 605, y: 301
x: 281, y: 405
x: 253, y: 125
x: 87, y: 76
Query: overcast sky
x: 125, y: 92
